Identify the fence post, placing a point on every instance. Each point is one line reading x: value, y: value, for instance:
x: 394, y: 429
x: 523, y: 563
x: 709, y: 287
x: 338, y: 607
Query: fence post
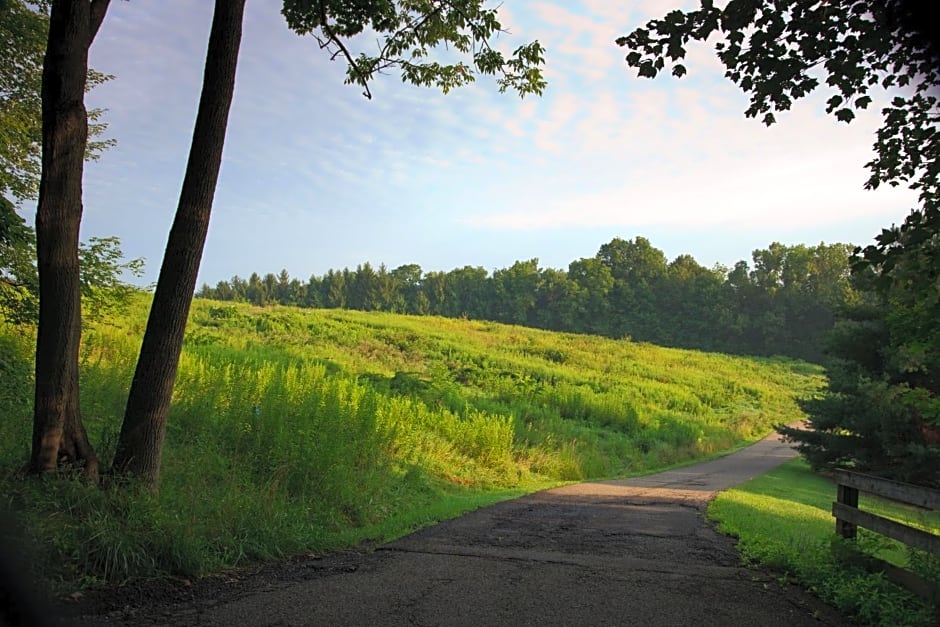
x: 847, y: 496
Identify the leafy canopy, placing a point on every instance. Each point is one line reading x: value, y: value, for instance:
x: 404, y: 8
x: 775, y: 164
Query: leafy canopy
x: 23, y: 38
x: 24, y: 28
x: 409, y: 32
x: 19, y: 285
x: 882, y: 411
x: 104, y: 291
x: 777, y: 51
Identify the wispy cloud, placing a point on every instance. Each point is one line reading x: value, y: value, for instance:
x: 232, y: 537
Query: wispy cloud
x: 750, y: 190
x: 681, y: 154
x: 316, y: 176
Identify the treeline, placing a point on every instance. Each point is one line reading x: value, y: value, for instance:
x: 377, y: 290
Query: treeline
x: 780, y: 303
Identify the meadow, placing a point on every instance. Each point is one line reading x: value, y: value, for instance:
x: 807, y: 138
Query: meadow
x: 303, y: 431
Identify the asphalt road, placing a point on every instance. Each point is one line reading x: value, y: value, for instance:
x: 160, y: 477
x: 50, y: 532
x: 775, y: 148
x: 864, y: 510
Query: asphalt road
x: 626, y: 552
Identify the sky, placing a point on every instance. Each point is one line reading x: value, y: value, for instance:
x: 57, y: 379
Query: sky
x: 315, y: 176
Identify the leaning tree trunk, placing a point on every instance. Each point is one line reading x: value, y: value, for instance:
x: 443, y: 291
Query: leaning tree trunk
x: 141, y: 441
x: 59, y: 438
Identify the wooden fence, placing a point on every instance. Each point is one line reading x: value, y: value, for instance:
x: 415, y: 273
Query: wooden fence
x: 849, y: 517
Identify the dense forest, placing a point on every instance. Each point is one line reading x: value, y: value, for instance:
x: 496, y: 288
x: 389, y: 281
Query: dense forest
x: 780, y: 304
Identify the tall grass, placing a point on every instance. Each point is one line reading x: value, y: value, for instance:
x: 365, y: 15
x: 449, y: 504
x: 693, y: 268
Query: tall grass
x: 297, y: 431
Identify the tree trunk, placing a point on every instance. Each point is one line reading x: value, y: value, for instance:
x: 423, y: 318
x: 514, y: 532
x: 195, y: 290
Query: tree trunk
x: 140, y: 444
x: 58, y: 435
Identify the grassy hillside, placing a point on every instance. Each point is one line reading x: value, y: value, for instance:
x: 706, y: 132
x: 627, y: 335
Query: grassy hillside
x: 302, y: 430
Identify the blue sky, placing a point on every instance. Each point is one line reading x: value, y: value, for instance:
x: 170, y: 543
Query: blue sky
x: 315, y: 176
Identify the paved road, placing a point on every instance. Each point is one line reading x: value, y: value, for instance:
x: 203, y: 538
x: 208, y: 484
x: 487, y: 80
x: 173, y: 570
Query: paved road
x: 625, y: 552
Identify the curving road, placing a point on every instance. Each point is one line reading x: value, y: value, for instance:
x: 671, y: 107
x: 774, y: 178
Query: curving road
x: 625, y: 552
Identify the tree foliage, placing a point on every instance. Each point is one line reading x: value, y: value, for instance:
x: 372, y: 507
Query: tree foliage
x: 410, y: 33
x: 882, y: 411
x: 103, y: 272
x: 780, y: 307
x: 778, y: 52
x: 22, y: 34
x: 24, y: 27
x: 19, y: 284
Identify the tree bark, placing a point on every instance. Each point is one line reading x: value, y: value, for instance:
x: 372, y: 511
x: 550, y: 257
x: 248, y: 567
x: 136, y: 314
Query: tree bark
x: 59, y: 437
x: 140, y: 444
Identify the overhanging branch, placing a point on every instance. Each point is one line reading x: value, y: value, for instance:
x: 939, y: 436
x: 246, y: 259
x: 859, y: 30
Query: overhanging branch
x: 331, y: 37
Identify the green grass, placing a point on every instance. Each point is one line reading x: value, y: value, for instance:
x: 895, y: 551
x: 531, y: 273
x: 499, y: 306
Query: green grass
x: 297, y: 431
x: 783, y: 520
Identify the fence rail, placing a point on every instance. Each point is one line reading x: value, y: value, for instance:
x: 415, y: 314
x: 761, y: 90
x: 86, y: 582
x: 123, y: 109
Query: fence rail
x: 849, y: 518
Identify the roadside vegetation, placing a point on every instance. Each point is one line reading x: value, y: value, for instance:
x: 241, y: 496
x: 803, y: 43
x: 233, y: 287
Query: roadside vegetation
x: 296, y: 431
x: 783, y: 521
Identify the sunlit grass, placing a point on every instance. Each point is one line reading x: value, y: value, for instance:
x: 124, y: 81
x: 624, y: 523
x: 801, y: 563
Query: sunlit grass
x: 297, y: 431
x: 783, y: 520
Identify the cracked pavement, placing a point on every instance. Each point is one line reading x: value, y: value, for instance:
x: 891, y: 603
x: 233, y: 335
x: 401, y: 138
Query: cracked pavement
x: 624, y: 552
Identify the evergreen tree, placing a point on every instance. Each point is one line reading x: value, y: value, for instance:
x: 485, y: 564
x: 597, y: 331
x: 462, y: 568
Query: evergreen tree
x: 881, y: 413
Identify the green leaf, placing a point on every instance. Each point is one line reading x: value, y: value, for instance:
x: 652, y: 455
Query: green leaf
x: 647, y: 70
x: 777, y: 52
x: 409, y: 33
x: 845, y: 115
x: 833, y: 102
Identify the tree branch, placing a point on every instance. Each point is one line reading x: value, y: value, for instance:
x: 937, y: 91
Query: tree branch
x: 98, y: 10
x: 332, y: 37
x: 10, y: 282
x: 473, y: 27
